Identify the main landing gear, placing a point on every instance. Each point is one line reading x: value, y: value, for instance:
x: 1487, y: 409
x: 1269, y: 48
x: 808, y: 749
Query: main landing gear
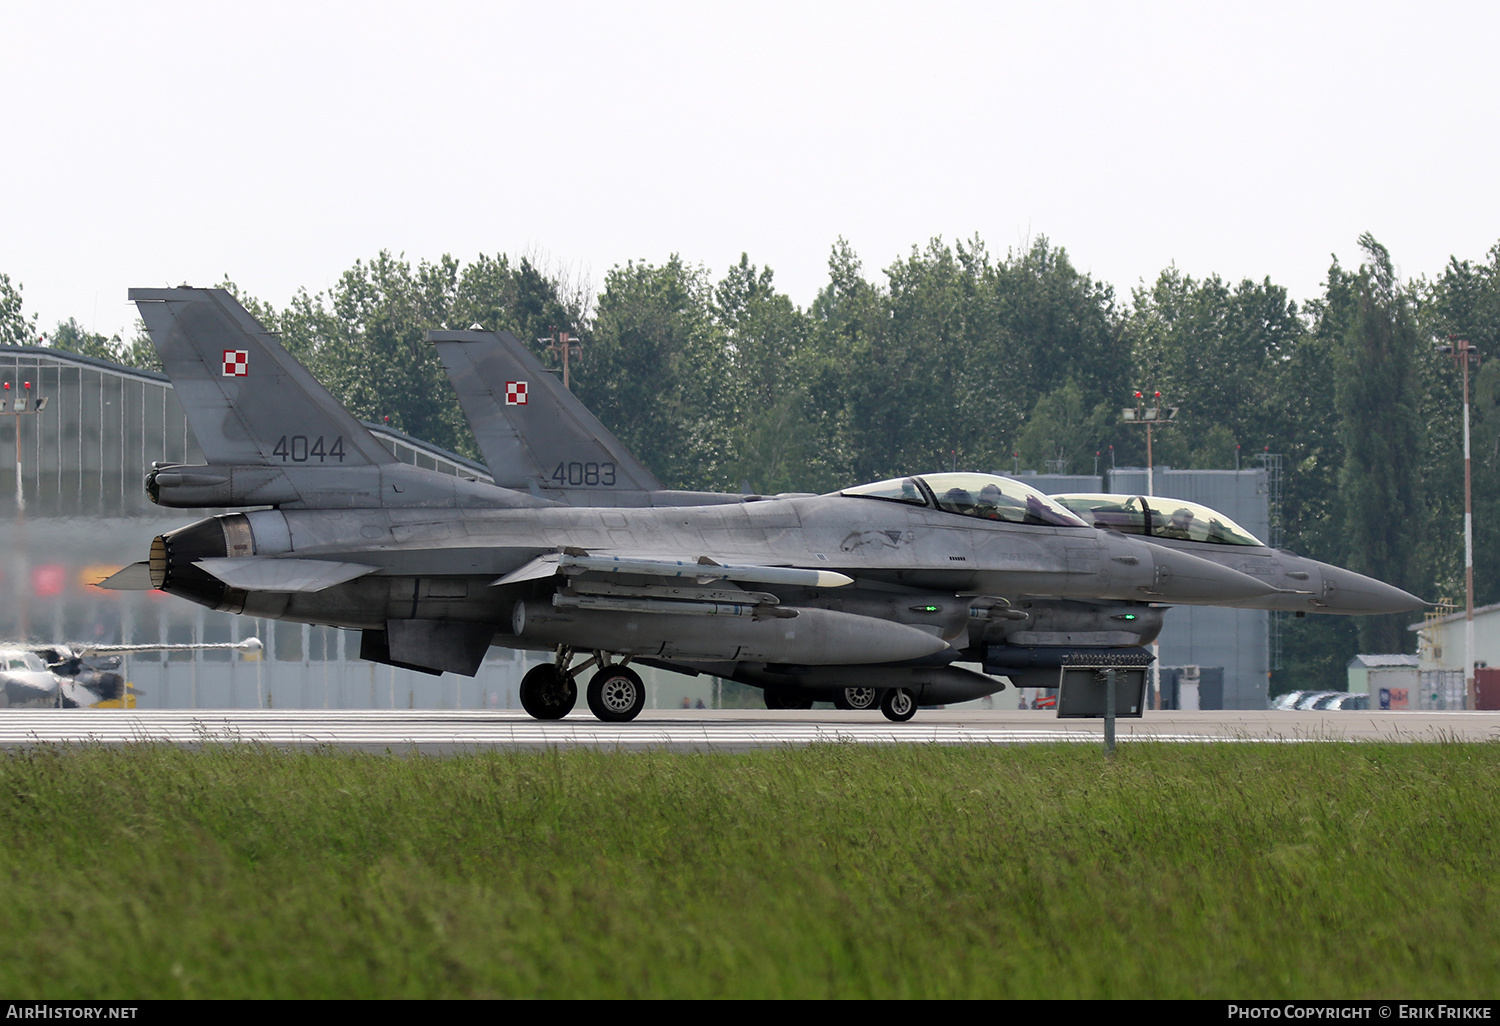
x: 547, y: 693
x: 615, y: 694
x: 897, y: 704
x: 856, y: 698
x: 787, y: 698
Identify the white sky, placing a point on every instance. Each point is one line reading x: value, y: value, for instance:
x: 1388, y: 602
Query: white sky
x: 155, y: 143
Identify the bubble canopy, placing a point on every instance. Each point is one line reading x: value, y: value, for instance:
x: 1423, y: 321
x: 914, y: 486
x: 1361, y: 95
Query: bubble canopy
x: 1159, y: 517
x: 984, y: 496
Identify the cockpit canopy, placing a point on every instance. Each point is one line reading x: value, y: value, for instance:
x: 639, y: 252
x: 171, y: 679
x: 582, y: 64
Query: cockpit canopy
x: 1159, y: 518
x: 986, y: 496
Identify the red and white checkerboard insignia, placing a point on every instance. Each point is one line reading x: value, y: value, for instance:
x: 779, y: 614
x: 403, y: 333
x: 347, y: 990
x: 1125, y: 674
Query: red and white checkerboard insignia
x: 515, y: 393
x: 236, y: 363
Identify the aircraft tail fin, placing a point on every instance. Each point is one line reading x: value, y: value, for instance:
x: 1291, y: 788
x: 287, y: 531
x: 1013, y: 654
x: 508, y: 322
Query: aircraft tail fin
x: 534, y: 433
x: 248, y: 401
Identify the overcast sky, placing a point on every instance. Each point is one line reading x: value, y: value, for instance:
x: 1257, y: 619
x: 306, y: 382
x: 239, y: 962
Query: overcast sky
x: 154, y: 143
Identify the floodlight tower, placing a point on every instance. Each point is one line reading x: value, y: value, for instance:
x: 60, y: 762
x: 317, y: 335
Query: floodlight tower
x: 1464, y: 353
x: 18, y: 402
x: 565, y: 346
x: 1149, y: 411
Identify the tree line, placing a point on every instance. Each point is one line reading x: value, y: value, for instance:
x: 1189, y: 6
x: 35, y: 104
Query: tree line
x: 953, y: 356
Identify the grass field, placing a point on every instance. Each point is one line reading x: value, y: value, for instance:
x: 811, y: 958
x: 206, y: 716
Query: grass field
x: 1236, y: 870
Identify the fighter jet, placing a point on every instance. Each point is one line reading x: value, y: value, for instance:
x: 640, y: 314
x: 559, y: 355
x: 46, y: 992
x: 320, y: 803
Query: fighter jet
x: 869, y: 595
x: 526, y: 422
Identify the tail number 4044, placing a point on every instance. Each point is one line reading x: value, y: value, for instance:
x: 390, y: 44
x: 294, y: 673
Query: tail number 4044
x: 299, y: 449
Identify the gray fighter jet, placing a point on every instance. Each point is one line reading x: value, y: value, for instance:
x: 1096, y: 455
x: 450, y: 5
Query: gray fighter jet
x: 432, y: 568
x: 869, y: 595
x: 526, y: 422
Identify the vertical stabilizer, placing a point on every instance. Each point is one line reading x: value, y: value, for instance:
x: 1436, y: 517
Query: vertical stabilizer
x: 533, y: 432
x: 249, y: 402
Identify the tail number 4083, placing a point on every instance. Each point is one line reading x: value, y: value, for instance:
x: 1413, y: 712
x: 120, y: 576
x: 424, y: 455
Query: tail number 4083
x: 589, y: 474
x: 298, y: 449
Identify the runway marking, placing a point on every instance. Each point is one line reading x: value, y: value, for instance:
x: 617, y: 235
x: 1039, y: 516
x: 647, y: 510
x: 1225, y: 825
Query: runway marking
x: 503, y: 728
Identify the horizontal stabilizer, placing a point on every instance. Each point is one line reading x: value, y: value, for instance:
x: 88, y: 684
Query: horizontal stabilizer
x: 135, y: 577
x: 255, y: 574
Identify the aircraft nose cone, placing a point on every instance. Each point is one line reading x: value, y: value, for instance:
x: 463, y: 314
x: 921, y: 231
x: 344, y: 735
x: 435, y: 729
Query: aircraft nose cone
x: 1181, y: 577
x: 1345, y: 591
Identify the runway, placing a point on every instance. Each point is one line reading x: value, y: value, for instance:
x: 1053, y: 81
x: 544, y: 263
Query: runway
x: 439, y: 732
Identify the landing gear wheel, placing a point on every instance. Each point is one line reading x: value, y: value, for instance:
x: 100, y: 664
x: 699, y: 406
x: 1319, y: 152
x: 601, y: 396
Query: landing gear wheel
x: 547, y: 693
x: 616, y: 694
x: 898, y: 704
x: 786, y: 698
x: 855, y: 698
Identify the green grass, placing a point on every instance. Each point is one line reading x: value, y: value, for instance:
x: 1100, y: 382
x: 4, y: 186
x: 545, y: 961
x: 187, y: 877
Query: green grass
x: 1236, y: 870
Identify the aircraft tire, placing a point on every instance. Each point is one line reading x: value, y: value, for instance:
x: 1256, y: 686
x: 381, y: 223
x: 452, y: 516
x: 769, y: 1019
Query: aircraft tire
x: 856, y: 698
x: 616, y: 694
x: 787, y: 698
x: 547, y: 693
x: 898, y: 704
